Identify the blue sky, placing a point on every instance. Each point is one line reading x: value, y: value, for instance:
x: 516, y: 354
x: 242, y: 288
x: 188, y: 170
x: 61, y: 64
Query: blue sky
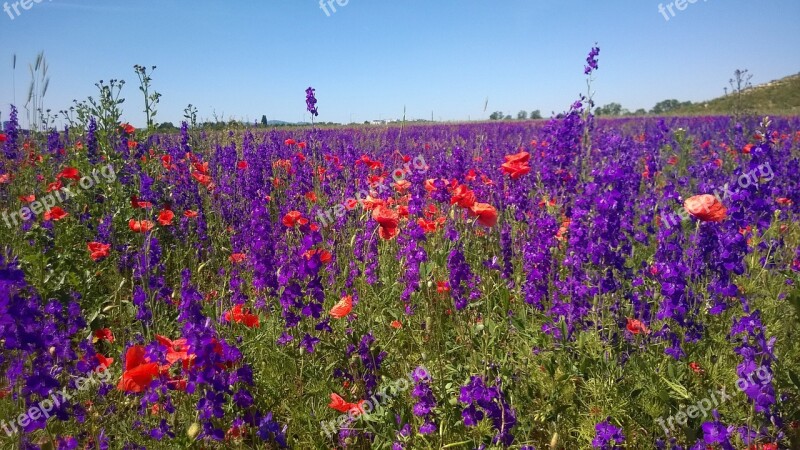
x: 371, y: 58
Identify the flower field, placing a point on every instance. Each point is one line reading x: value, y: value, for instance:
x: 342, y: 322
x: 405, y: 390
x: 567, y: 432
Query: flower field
x: 563, y: 284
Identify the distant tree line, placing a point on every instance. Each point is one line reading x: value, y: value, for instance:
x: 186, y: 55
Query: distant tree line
x: 522, y: 115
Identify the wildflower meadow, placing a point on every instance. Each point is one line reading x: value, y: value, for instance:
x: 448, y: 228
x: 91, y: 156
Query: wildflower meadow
x: 569, y: 283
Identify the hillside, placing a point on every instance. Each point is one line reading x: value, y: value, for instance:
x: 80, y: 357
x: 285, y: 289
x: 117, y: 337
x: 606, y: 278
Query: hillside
x: 779, y: 97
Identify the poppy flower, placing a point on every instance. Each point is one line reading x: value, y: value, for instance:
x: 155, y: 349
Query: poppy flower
x: 290, y: 142
x: 55, y: 213
x: 311, y: 196
x: 132, y: 144
x: 241, y: 165
x: 302, y: 145
x: 177, y: 350
x: 165, y: 217
x: 636, y: 326
x: 27, y: 198
x: 128, y: 128
x: 342, y: 308
x: 516, y: 165
x: 338, y: 403
x: 139, y: 204
x: 3, y: 137
x: 486, y: 213
x: 5, y: 178
x: 673, y: 160
x: 463, y: 196
x: 140, y: 226
x: 189, y: 214
x: 103, y: 334
x: 139, y: 371
x: 706, y: 208
x: 294, y: 218
x: 396, y: 324
x: 70, y: 173
x: 442, y: 287
x: 428, y: 226
x: 166, y: 162
x: 696, y: 368
x: 243, y: 316
x: 237, y: 258
x: 103, y: 363
x: 429, y: 185
x: 98, y: 250
x: 55, y: 186
x: 388, y: 221
x: 747, y: 148
x: 783, y: 201
x: 202, y: 178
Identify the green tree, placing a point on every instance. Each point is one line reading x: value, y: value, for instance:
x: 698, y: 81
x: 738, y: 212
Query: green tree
x: 264, y: 120
x: 522, y: 115
x: 611, y: 109
x: 536, y: 114
x: 497, y: 115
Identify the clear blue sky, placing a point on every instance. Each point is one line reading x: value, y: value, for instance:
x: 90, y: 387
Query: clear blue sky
x: 370, y: 58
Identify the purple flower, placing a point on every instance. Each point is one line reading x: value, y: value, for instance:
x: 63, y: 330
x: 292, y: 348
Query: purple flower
x: 311, y: 102
x: 607, y: 436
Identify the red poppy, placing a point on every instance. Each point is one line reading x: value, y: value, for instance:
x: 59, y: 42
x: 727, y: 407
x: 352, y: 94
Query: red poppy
x: 139, y: 371
x: 55, y: 213
x: 243, y: 316
x: 98, y: 250
x: 27, y: 198
x: 294, y: 218
x: 747, y: 148
x: 636, y: 326
x: 290, y: 142
x: 140, y: 226
x: 463, y: 196
x: 301, y: 144
x: 311, y: 196
x: 3, y: 137
x: 5, y: 178
x: 128, y: 128
x: 342, y: 406
x: 706, y: 208
x: 388, y: 220
x: 132, y: 144
x: 429, y: 186
x: 202, y: 178
x: 673, y: 160
x: 177, y: 350
x: 487, y: 214
x: 396, y: 324
x: 103, y: 334
x: 428, y: 226
x: 70, y: 173
x: 166, y: 161
x: 237, y: 258
x: 442, y: 287
x: 241, y: 165
x: 342, y: 308
x: 55, y: 186
x: 139, y: 204
x: 516, y: 165
x: 165, y: 217
x: 696, y: 368
x: 190, y: 214
x: 103, y: 363
x: 783, y: 201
